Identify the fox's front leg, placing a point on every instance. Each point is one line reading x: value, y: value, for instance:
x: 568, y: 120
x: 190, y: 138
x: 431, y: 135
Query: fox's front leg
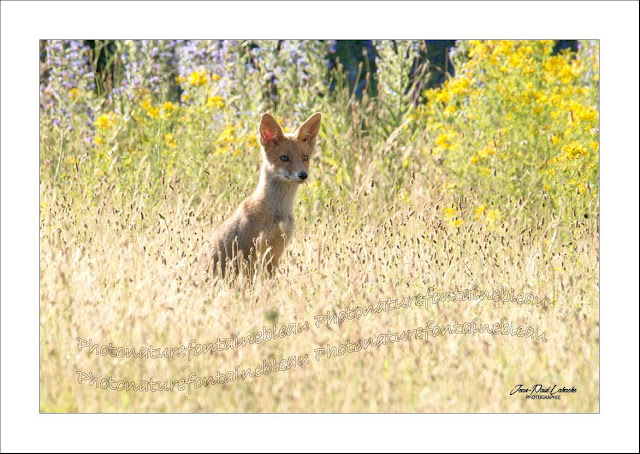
x: 275, y: 254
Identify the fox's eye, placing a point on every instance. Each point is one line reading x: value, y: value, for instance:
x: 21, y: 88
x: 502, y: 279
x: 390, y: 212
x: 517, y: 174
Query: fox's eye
x: 305, y: 157
x: 284, y: 158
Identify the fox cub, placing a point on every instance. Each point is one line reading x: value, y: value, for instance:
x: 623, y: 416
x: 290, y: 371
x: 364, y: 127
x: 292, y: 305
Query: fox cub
x: 260, y: 228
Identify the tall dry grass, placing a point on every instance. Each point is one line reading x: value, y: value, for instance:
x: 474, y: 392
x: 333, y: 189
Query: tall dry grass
x: 103, y: 278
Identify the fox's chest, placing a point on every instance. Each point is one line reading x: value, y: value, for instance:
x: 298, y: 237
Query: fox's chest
x: 280, y: 230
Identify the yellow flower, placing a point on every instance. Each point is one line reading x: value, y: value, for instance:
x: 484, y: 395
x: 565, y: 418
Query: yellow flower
x: 459, y: 85
x: 445, y: 140
x: 443, y: 96
x: 167, y: 109
x: 479, y: 49
x: 251, y: 140
x: 449, y: 212
x: 583, y: 113
x: 553, y: 67
x: 169, y: 140
x: 504, y: 47
x: 98, y: 140
x: 450, y: 109
x: 152, y: 112
x: 516, y: 60
x: 493, y: 217
x: 105, y: 121
x: 215, y: 77
x: 573, y: 150
x: 480, y: 211
x: 484, y: 153
x: 404, y: 197
x: 215, y: 101
x: 228, y: 135
x: 198, y: 78
x: 73, y: 93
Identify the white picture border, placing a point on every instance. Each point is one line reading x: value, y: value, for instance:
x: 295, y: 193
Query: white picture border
x: 614, y: 23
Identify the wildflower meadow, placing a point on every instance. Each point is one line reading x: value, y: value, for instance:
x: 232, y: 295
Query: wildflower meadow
x: 466, y: 204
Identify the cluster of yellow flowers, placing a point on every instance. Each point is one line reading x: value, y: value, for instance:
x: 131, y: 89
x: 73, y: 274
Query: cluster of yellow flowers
x: 451, y: 213
x: 198, y: 94
x: 169, y: 140
x: 167, y: 121
x: 104, y: 124
x: 230, y: 141
x: 197, y: 78
x: 484, y: 153
x: 167, y: 109
x: 106, y: 121
x: 163, y: 111
x: 511, y: 108
x: 573, y: 150
x: 214, y: 101
x: 482, y: 213
x: 445, y: 141
x: 559, y: 68
x: 490, y: 216
x: 228, y: 135
x: 455, y: 87
x: 149, y: 109
x: 563, y: 162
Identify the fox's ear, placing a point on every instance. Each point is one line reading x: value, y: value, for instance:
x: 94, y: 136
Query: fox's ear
x: 270, y: 131
x: 310, y: 129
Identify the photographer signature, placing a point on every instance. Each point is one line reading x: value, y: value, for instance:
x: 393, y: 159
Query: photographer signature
x: 539, y: 391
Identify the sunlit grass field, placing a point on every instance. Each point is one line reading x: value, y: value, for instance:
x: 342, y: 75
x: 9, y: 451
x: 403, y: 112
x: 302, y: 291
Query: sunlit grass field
x: 489, y: 182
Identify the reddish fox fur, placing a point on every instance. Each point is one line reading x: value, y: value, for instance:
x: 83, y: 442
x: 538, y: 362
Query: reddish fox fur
x: 262, y: 225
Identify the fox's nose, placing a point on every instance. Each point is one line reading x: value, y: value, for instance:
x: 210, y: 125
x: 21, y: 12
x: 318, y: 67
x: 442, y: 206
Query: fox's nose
x: 303, y: 175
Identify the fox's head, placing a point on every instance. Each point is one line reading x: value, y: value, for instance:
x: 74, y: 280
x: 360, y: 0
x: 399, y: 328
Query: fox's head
x: 288, y: 155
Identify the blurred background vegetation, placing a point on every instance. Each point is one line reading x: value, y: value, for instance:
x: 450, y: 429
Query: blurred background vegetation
x: 499, y: 119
